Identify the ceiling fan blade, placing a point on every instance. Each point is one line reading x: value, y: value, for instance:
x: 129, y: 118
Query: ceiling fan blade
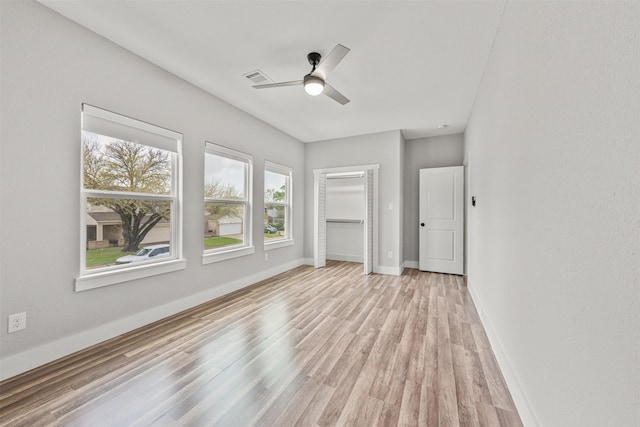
x: 282, y: 84
x: 331, y: 60
x: 332, y: 93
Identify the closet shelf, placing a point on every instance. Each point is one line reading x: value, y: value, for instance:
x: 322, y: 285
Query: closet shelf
x: 350, y: 221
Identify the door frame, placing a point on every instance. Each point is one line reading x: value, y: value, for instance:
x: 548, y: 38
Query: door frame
x: 319, y: 214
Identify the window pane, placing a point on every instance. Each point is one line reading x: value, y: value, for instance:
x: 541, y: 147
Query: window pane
x: 223, y: 225
x: 126, y: 231
x: 275, y: 222
x: 275, y: 187
x: 117, y: 165
x: 224, y: 178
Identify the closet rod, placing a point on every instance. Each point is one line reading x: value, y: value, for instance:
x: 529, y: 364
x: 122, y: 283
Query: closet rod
x: 349, y: 221
x: 360, y: 175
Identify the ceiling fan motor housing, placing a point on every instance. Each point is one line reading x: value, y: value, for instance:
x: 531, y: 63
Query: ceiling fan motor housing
x: 313, y: 85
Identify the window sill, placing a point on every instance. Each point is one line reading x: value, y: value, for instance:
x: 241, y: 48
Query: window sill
x: 281, y: 243
x: 211, y: 257
x: 106, y: 278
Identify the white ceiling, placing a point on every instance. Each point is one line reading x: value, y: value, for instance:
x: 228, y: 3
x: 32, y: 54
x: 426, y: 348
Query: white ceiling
x: 413, y: 65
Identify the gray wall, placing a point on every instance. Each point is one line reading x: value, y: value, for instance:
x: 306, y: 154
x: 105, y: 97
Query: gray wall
x: 432, y: 152
x: 50, y: 66
x: 380, y: 148
x: 553, y: 145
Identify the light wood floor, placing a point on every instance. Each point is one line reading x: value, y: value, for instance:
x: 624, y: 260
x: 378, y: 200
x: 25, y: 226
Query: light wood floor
x: 308, y: 347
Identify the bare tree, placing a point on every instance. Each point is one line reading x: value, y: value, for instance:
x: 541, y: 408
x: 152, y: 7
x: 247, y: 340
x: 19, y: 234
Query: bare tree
x: 216, y: 189
x: 128, y: 167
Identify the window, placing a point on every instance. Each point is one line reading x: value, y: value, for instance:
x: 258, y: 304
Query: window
x: 227, y: 203
x: 277, y: 205
x: 130, y: 197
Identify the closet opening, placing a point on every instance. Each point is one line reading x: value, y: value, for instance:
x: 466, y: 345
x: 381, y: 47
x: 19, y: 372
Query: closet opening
x: 345, y: 207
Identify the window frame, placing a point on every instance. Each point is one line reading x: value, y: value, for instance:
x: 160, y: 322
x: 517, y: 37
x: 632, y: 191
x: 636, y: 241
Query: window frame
x: 246, y: 248
x: 287, y: 171
x: 110, y: 275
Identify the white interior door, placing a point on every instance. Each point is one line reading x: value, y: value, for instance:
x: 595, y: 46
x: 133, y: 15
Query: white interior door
x: 441, y: 247
x: 320, y: 221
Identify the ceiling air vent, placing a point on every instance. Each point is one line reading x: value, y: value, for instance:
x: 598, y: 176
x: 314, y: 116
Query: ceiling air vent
x: 257, y: 77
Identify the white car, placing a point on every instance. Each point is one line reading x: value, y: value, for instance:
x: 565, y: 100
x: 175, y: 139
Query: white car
x: 146, y: 253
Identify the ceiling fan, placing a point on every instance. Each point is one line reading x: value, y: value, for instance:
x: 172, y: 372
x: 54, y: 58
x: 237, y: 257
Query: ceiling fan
x: 315, y: 82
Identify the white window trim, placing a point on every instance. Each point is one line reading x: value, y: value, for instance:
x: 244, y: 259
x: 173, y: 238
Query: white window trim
x: 136, y: 272
x: 99, y: 277
x: 228, y: 252
x: 288, y: 172
x: 280, y: 243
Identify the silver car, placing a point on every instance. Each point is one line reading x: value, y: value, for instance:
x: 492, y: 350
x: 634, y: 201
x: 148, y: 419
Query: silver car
x: 146, y: 253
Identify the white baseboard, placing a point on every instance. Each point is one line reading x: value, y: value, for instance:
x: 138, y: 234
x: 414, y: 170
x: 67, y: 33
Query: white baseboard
x: 38, y: 356
x: 345, y: 257
x: 391, y: 271
x: 379, y: 269
x: 525, y: 410
x: 411, y: 264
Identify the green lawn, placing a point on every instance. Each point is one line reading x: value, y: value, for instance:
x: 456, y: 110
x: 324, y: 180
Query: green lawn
x: 102, y: 257
x: 107, y: 256
x: 215, y: 242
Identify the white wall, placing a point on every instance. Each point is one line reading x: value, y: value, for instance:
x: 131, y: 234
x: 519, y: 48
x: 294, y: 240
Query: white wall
x: 383, y: 148
x: 554, y: 247
x: 50, y: 66
x: 345, y: 241
x: 345, y: 198
x: 431, y: 152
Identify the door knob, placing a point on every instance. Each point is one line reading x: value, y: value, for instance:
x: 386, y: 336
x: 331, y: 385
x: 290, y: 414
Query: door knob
x: 422, y: 224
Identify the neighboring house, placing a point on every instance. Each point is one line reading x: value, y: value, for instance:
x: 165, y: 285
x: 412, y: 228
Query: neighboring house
x: 225, y: 226
x: 104, y: 229
x: 273, y: 216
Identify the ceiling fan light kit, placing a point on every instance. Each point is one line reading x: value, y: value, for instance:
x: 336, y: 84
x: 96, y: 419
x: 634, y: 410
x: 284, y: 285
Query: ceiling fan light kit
x: 315, y: 83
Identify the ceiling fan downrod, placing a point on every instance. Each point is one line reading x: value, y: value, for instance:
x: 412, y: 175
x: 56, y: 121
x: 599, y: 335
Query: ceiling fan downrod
x: 314, y: 59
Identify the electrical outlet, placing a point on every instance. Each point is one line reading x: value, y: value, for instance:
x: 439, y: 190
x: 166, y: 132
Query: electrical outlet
x: 390, y: 254
x: 17, y: 322
x: 266, y: 257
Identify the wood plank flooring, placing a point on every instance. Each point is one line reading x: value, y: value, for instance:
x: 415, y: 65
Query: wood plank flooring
x: 306, y: 348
